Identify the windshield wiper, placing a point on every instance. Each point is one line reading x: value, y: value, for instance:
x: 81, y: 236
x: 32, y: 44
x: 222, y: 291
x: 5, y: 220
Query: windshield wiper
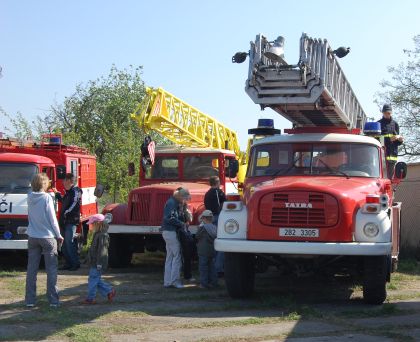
x: 332, y: 170
x: 283, y: 172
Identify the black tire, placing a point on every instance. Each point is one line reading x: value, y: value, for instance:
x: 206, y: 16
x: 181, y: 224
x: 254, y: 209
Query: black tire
x: 239, y: 274
x: 376, y: 269
x: 119, y: 254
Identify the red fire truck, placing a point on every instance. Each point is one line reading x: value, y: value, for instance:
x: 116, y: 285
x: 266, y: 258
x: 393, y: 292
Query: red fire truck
x: 19, y: 162
x: 203, y: 148
x: 317, y: 197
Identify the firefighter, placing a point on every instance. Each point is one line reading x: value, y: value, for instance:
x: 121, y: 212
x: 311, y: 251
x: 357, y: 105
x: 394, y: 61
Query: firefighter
x: 390, y: 138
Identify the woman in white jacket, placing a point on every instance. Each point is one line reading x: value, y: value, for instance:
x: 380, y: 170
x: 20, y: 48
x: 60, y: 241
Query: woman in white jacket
x: 43, y: 234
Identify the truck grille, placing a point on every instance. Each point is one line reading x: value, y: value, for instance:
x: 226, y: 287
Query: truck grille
x: 299, y: 209
x: 140, y: 207
x: 147, y: 208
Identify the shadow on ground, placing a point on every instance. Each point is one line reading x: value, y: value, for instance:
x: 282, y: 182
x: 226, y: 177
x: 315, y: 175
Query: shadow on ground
x: 315, y: 306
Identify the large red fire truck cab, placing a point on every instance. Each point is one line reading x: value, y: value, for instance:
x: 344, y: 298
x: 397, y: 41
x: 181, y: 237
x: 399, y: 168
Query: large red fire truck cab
x: 313, y: 201
x: 135, y: 226
x: 19, y: 162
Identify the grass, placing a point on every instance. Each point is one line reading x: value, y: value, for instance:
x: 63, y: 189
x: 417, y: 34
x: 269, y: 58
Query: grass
x: 141, y: 296
x: 16, y: 285
x: 387, y: 309
x: 83, y: 333
x: 8, y: 274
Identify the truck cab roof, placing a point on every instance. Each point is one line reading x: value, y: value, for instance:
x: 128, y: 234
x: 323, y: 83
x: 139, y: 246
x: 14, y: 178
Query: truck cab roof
x: 171, y: 149
x: 318, y: 137
x: 24, y: 158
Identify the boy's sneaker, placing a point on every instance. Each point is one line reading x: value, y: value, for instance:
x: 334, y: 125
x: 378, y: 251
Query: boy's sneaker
x: 111, y: 295
x: 30, y: 305
x: 179, y: 286
x: 89, y: 301
x: 53, y: 305
x: 191, y: 280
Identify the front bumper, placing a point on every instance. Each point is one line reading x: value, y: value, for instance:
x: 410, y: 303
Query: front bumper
x: 304, y: 248
x: 13, y: 244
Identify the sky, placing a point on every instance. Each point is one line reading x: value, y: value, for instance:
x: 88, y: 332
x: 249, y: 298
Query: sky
x: 48, y: 47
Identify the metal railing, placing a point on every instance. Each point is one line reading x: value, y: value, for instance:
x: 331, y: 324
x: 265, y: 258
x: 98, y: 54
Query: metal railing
x: 312, y: 92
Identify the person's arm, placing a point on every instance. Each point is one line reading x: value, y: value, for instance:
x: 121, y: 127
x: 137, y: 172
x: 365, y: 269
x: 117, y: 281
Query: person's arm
x: 58, y: 195
x: 102, y: 251
x: 222, y: 197
x: 399, y: 140
x: 210, y: 201
x: 74, y: 201
x: 207, y: 201
x: 169, y: 217
x: 52, y: 218
x: 199, y: 233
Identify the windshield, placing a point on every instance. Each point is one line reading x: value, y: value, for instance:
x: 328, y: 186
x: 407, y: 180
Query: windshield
x: 164, y: 168
x: 341, y: 159
x: 16, y: 178
x: 198, y: 167
x: 194, y: 167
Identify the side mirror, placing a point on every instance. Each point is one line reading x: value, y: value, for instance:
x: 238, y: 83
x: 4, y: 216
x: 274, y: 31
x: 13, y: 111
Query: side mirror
x: 99, y: 190
x: 61, y: 171
x: 131, y: 169
x: 233, y: 168
x: 400, y: 171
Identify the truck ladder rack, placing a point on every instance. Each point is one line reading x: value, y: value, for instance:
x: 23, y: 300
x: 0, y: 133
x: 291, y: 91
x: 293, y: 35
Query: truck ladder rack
x: 181, y: 123
x: 312, y: 93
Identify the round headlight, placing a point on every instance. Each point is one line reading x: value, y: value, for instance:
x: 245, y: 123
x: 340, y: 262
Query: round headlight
x: 231, y: 226
x: 371, y: 229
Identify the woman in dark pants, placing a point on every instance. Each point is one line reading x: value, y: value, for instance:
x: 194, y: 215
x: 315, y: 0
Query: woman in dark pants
x: 187, y: 242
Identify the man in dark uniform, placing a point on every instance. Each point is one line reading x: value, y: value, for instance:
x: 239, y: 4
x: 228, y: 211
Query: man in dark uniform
x: 390, y: 138
x: 213, y: 201
x: 69, y: 220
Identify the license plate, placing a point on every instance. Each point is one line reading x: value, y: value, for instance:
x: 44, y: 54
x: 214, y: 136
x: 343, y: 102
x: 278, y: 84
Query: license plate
x: 299, y: 232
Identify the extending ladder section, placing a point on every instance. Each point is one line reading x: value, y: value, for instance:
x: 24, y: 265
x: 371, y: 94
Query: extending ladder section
x: 183, y: 124
x: 314, y: 92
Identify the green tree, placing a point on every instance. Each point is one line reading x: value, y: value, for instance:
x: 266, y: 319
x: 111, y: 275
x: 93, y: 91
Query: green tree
x: 22, y: 129
x: 403, y: 91
x: 97, y: 116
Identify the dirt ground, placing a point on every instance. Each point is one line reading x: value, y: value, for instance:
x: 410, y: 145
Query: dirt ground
x: 283, y: 309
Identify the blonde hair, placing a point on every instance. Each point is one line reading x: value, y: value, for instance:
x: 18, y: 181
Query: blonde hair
x: 40, y: 182
x: 99, y: 226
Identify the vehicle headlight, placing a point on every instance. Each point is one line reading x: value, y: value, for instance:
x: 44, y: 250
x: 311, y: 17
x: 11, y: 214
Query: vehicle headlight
x: 371, y: 229
x: 231, y: 226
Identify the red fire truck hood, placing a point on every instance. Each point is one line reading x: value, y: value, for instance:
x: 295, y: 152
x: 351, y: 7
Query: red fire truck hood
x: 195, y: 189
x: 353, y: 187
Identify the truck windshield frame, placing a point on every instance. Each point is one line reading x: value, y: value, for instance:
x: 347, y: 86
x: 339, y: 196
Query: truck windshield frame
x: 188, y: 166
x: 16, y: 177
x: 315, y: 159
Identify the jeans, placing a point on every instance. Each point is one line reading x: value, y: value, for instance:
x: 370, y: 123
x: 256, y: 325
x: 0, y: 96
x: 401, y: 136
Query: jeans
x: 47, y: 247
x: 220, y: 256
x: 208, y: 275
x: 70, y: 246
x: 220, y: 262
x: 173, y: 259
x: 95, y: 282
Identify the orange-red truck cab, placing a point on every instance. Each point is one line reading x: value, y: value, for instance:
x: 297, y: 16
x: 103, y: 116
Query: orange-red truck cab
x: 313, y: 201
x: 135, y: 225
x: 19, y: 162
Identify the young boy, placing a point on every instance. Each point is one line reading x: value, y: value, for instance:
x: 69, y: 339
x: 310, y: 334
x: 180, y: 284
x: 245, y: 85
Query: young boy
x: 98, y: 260
x: 205, y: 235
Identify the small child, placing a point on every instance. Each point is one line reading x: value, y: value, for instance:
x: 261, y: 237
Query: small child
x: 205, y: 235
x: 98, y: 260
